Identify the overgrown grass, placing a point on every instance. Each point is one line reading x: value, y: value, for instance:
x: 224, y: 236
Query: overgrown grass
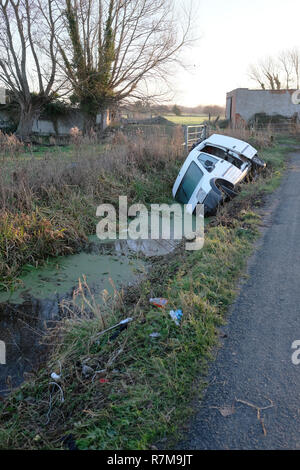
x: 149, y: 381
x: 48, y: 205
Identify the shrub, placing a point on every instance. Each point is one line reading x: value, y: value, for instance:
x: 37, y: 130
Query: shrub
x: 10, y: 144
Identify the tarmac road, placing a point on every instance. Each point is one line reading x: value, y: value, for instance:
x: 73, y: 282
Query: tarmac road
x: 254, y: 369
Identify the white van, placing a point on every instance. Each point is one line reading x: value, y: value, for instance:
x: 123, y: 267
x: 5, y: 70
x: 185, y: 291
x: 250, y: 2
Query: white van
x: 213, y: 169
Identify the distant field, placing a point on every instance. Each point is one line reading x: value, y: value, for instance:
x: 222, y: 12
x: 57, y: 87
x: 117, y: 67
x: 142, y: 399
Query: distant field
x: 187, y: 120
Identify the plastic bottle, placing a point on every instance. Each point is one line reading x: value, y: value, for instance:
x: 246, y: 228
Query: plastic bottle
x: 176, y: 316
x: 159, y: 302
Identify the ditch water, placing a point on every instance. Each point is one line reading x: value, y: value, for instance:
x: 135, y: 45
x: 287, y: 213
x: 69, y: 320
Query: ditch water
x: 37, y: 302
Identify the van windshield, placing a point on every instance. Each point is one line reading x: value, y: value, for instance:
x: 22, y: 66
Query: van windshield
x: 225, y: 155
x: 189, y: 183
x: 207, y: 161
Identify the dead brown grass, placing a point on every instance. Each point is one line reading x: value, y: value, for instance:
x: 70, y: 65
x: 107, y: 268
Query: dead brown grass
x: 64, y: 191
x: 10, y: 145
x: 260, y: 139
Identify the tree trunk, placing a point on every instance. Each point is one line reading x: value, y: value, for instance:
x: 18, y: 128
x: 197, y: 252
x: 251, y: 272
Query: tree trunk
x: 89, y: 123
x: 105, y: 118
x: 28, y: 114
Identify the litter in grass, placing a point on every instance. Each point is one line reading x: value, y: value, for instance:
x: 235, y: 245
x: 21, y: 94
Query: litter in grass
x: 100, y: 373
x: 55, y: 377
x: 176, y: 316
x: 159, y: 302
x: 121, y: 323
x: 154, y: 335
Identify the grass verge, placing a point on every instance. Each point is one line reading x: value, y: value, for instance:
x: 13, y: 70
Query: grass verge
x: 145, y: 385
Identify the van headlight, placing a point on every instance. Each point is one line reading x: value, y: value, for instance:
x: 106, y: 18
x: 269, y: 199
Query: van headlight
x: 201, y: 195
x: 258, y: 161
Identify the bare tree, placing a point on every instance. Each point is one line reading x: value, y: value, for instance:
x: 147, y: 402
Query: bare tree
x: 287, y: 65
x: 271, y: 70
x: 267, y: 74
x: 113, y: 47
x: 255, y: 74
x: 28, y: 56
x: 295, y: 60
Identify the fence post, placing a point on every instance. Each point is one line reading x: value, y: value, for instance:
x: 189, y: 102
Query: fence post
x: 186, y: 137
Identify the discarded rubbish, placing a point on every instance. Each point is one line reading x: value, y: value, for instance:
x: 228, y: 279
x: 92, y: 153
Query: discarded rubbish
x: 103, y: 381
x: 159, y: 302
x: 176, y: 316
x: 154, y: 335
x: 100, y: 373
x: 125, y: 322
x: 55, y: 377
x: 121, y: 323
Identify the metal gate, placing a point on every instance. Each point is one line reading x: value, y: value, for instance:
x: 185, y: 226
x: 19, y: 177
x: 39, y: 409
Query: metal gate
x: 194, y: 134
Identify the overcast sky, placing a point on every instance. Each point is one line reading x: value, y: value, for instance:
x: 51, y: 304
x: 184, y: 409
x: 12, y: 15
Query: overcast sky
x: 234, y: 34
